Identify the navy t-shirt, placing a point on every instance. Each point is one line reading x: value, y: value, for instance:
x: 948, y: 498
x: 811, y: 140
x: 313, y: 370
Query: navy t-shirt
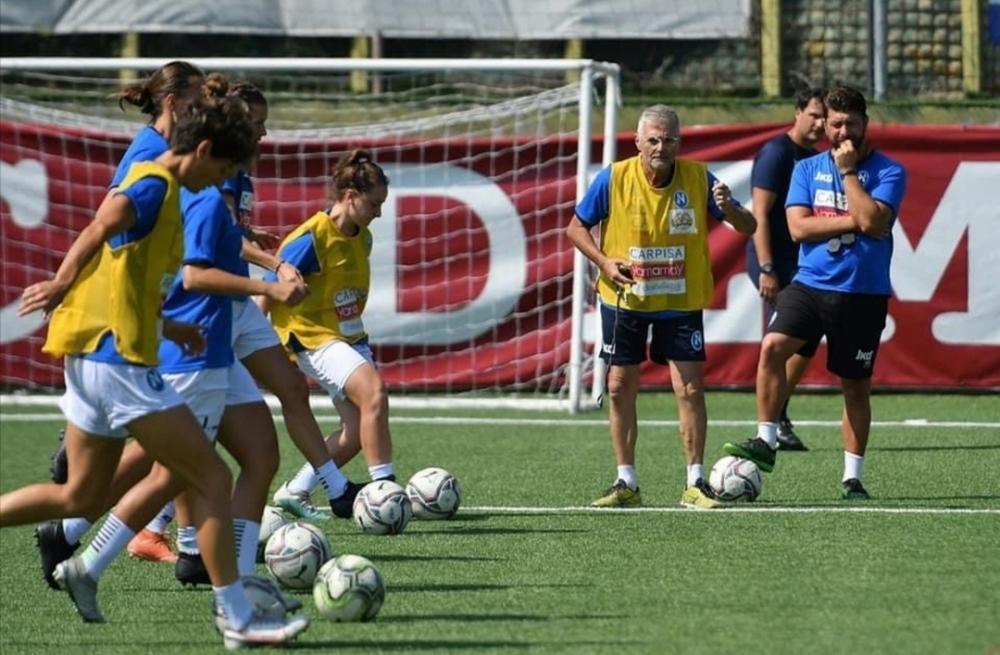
x: 772, y: 171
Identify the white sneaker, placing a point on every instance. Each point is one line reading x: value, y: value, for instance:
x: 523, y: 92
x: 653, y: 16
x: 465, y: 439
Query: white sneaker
x: 82, y: 589
x: 262, y: 631
x: 298, y: 504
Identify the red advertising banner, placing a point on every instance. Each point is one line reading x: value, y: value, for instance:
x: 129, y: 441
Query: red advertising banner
x: 472, y: 282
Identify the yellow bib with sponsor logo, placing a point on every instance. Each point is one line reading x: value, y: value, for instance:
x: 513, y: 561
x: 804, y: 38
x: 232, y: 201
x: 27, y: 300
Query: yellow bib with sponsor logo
x: 337, y: 293
x: 663, y: 234
x: 122, y: 289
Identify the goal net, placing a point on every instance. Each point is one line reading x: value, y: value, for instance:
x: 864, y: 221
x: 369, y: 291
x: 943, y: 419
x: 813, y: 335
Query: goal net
x: 477, y: 296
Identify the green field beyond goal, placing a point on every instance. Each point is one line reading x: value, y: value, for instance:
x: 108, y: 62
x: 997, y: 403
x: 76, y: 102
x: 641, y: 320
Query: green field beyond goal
x: 525, y: 568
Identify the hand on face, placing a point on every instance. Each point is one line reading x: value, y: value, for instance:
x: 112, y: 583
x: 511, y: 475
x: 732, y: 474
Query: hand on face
x: 845, y: 156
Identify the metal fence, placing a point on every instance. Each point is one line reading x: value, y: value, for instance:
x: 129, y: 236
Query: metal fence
x: 897, y: 49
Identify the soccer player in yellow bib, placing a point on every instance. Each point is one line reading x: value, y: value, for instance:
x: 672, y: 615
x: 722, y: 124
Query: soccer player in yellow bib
x: 326, y: 332
x: 655, y: 274
x: 104, y: 303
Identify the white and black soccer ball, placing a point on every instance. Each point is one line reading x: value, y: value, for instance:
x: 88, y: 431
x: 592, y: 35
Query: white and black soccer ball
x: 434, y: 493
x: 382, y: 507
x: 272, y: 519
x: 295, y: 552
x: 349, y: 588
x: 264, y: 596
x: 735, y: 479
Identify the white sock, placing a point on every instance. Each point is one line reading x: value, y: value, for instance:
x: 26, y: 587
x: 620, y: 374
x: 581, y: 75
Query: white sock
x: 74, y: 529
x: 110, y: 540
x: 235, y: 605
x: 769, y: 433
x: 247, y: 535
x: 166, y: 515
x: 380, y: 471
x: 627, y: 475
x: 333, y: 481
x: 694, y: 474
x: 853, y: 465
x: 187, y: 540
x: 304, y: 481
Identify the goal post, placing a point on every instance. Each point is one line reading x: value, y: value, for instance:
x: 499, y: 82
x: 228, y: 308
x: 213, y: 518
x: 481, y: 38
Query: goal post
x: 478, y: 299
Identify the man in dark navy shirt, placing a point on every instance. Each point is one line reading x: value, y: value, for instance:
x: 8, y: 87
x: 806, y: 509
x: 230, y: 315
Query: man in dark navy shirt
x: 772, y: 256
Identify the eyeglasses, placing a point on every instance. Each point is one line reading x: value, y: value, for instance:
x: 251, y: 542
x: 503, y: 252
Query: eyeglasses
x: 654, y: 141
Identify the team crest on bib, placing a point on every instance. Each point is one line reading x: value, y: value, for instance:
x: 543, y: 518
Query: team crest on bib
x: 680, y: 198
x: 154, y: 380
x: 696, y: 341
x: 682, y: 221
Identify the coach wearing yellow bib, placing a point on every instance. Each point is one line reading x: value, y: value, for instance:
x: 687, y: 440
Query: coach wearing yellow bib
x: 655, y: 274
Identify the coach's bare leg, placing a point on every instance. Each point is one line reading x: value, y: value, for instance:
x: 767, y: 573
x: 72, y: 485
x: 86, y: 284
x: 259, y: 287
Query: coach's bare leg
x: 623, y: 391
x: 688, y: 380
x: 857, y: 418
x: 772, y: 383
x: 795, y: 368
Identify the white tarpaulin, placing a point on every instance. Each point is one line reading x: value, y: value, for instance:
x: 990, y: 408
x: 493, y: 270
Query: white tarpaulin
x: 454, y: 19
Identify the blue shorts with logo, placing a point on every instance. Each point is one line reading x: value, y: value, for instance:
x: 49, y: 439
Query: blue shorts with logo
x: 676, y: 336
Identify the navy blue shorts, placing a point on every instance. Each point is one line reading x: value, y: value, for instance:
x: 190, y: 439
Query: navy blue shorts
x: 625, y: 337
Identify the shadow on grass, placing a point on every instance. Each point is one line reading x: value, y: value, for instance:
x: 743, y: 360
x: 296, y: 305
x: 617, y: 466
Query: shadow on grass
x: 431, y: 558
x: 462, y: 531
x: 951, y: 447
x: 452, y: 645
x: 418, y: 587
x: 482, y: 618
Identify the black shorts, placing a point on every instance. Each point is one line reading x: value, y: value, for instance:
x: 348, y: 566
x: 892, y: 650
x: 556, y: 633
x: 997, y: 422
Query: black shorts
x: 625, y: 337
x: 785, y: 271
x: 851, y: 322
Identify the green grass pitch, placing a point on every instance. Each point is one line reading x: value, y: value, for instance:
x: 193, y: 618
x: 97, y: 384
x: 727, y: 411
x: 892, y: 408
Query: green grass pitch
x: 525, y: 569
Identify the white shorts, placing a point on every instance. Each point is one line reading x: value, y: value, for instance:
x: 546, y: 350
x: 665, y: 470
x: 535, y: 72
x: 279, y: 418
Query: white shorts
x: 204, y: 392
x: 332, y: 364
x: 251, y: 329
x: 243, y: 388
x: 102, y: 399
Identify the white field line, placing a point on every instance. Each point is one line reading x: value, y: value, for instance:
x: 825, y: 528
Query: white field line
x: 563, y: 422
x: 758, y: 509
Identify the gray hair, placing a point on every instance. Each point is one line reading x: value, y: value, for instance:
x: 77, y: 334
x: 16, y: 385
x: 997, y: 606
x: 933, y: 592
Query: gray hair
x: 659, y: 115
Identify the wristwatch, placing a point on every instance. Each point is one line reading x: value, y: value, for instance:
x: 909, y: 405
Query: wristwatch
x: 767, y: 269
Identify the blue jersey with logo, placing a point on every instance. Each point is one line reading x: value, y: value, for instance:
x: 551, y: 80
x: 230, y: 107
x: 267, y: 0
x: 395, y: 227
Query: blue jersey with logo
x: 211, y: 238
x: 147, y: 145
x: 858, y: 263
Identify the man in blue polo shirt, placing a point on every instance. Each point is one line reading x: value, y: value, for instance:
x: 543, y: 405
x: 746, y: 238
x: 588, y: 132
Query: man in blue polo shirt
x: 840, y: 208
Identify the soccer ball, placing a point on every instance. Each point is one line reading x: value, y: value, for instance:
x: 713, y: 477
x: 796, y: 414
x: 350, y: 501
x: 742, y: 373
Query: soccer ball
x: 735, y: 479
x: 349, y: 588
x: 382, y: 507
x: 295, y: 552
x: 271, y: 520
x: 434, y: 494
x: 264, y: 596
